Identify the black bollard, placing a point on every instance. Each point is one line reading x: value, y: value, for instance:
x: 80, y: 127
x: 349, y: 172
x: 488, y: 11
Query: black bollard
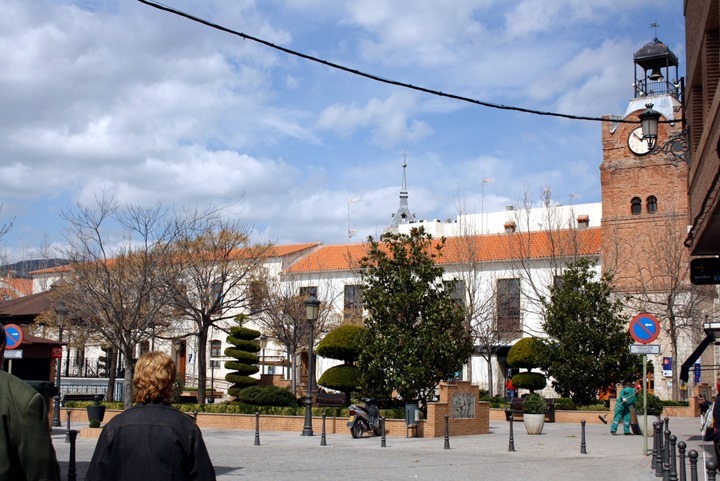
x: 658, y: 453
x: 673, y: 461
x: 195, y: 412
x: 582, y: 438
x: 693, y: 456
x: 257, y: 428
x: 654, y: 453
x: 666, y: 457
x: 667, y: 423
x: 72, y: 472
x: 67, y: 433
x: 711, y: 469
x: 681, y: 454
x: 511, y: 445
x: 323, y: 441
x: 447, y: 433
x: 382, y: 433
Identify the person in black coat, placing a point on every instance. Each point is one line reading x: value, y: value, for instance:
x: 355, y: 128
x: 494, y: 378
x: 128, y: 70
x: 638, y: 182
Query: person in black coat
x: 151, y: 440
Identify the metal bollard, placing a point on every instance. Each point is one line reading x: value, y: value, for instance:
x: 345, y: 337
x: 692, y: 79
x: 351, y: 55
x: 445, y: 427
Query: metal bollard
x: 667, y: 423
x: 447, y: 433
x: 658, y: 453
x: 382, y: 432
x: 693, y: 455
x: 67, y: 433
x: 72, y: 472
x: 681, y: 454
x: 711, y: 469
x: 511, y: 445
x: 673, y: 460
x: 666, y: 457
x: 323, y: 441
x: 582, y: 438
x: 257, y: 428
x: 654, y: 453
x: 195, y: 413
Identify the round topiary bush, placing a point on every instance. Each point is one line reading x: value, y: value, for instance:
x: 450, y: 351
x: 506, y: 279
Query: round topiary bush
x: 533, y: 403
x: 341, y: 343
x: 342, y: 378
x: 529, y: 380
x: 524, y: 353
x: 267, y: 396
x: 654, y: 405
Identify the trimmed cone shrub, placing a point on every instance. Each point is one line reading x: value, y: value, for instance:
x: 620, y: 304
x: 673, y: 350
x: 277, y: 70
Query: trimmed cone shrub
x: 244, y: 350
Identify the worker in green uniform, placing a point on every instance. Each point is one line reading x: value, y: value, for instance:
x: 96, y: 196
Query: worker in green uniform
x: 626, y: 398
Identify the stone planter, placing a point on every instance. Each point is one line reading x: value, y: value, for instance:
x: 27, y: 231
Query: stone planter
x: 534, y: 423
x: 650, y: 420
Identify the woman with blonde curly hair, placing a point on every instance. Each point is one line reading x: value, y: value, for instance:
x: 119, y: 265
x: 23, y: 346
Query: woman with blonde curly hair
x: 151, y: 440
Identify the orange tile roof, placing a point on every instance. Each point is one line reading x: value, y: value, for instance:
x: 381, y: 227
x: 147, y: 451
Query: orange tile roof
x: 481, y: 248
x: 14, y: 287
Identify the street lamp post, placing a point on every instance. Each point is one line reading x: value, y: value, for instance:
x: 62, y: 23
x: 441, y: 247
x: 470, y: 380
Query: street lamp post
x: 312, y: 306
x: 677, y: 144
x: 263, y: 345
x: 60, y: 313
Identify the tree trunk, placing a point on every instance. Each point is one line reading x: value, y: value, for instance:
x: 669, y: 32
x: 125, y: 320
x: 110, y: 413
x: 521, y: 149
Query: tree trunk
x: 491, y: 382
x: 112, y: 374
x: 127, y: 378
x: 202, y: 363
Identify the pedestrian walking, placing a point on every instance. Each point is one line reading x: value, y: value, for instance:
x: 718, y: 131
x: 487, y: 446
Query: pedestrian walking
x: 26, y: 450
x: 151, y: 440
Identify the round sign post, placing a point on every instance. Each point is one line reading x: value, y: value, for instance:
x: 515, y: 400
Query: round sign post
x: 13, y: 336
x: 644, y: 328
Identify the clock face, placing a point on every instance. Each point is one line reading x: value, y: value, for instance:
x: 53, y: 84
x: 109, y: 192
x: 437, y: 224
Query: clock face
x: 637, y: 144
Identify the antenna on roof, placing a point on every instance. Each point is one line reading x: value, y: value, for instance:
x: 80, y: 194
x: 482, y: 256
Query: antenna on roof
x: 350, y: 232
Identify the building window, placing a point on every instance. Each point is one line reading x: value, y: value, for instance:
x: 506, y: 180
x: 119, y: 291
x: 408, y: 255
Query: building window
x: 258, y: 293
x: 308, y: 290
x: 508, y: 305
x: 353, y: 308
x: 215, y: 351
x: 636, y: 206
x: 457, y: 288
x: 651, y: 204
x: 217, y: 297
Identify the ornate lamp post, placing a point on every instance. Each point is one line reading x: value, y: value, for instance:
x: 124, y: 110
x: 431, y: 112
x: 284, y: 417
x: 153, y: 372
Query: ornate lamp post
x: 60, y: 313
x: 677, y: 144
x: 312, y: 307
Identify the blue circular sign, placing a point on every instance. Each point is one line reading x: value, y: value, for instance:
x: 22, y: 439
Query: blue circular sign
x: 644, y: 328
x: 13, y: 337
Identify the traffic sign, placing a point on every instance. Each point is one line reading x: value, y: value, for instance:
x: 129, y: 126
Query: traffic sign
x: 644, y: 328
x: 14, y: 354
x: 13, y: 337
x: 56, y: 352
x: 644, y: 348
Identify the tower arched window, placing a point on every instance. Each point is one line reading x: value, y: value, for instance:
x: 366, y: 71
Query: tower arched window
x: 651, y: 204
x: 636, y: 206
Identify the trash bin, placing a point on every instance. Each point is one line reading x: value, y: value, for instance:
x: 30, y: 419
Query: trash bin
x: 46, y: 389
x: 412, y: 414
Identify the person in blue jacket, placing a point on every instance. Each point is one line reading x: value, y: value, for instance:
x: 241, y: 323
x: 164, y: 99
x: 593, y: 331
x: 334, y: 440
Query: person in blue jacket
x: 625, y: 399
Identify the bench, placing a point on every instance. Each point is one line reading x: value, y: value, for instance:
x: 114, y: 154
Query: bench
x: 330, y: 400
x: 78, y: 397
x: 515, y: 409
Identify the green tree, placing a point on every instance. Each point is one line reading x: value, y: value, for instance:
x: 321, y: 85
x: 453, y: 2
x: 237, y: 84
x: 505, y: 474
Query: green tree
x: 589, y: 345
x: 343, y: 344
x: 527, y: 354
x: 244, y: 350
x: 415, y: 332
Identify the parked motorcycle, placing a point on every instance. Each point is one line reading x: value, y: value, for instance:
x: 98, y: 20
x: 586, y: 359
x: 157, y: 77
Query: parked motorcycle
x: 364, y: 418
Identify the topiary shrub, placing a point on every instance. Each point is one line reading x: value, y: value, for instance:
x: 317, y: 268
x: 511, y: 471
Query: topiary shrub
x: 341, y: 378
x: 524, y: 353
x: 533, y: 403
x: 267, y: 396
x: 244, y: 351
x: 342, y: 343
x: 529, y: 380
x: 654, y: 405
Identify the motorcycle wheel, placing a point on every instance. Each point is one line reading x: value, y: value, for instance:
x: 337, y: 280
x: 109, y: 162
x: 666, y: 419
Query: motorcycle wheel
x: 358, y: 428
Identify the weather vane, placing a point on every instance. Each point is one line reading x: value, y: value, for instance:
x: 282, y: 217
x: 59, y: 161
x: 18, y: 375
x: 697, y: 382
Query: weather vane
x: 655, y: 25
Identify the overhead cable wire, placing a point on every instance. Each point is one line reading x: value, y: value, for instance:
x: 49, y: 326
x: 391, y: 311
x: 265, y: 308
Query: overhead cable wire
x: 377, y: 78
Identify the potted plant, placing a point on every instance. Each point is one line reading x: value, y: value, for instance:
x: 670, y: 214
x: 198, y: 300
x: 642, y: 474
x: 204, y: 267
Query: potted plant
x: 534, y: 408
x: 96, y: 411
x: 654, y: 410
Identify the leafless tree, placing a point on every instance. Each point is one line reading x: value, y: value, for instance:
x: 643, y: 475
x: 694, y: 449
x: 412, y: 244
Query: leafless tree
x: 116, y: 283
x: 214, y: 264
x: 279, y: 312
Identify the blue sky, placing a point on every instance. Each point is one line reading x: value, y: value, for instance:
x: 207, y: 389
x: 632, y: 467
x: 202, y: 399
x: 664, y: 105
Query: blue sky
x: 122, y: 97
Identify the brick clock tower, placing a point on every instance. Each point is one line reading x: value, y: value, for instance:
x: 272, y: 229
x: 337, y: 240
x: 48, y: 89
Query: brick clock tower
x: 644, y: 192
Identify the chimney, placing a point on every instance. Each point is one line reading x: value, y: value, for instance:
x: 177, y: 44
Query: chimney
x: 583, y: 221
x: 509, y: 227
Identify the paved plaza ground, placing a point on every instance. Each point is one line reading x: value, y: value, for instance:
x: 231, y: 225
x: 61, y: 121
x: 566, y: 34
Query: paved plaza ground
x: 553, y: 455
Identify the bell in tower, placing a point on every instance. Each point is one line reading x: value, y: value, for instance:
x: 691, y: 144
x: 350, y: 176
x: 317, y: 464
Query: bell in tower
x: 653, y: 62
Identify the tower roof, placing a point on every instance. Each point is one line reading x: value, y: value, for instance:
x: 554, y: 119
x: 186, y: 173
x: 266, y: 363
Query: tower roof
x: 403, y: 214
x: 655, y: 54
